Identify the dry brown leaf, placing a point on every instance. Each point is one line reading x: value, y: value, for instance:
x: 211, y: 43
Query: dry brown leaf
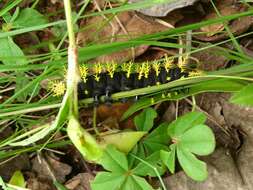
x: 237, y: 26
x: 216, y: 28
x: 59, y: 169
x: 20, y: 162
x: 40, y: 184
x: 165, y: 8
x: 80, y: 182
x: 129, y: 25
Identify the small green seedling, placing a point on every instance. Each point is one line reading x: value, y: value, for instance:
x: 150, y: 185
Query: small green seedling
x: 189, y: 136
x: 159, y: 148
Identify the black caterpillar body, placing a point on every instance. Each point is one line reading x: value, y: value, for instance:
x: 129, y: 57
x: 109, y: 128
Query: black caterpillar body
x: 104, y: 84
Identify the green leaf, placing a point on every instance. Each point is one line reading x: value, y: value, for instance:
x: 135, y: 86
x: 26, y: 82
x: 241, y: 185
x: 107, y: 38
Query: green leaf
x: 148, y: 166
x: 108, y: 180
x: 114, y: 160
x: 136, y: 183
x: 29, y: 17
x: 193, y: 167
x: 158, y: 139
x: 123, y: 141
x: 185, y: 122
x: 145, y: 120
x: 168, y: 158
x: 83, y: 141
x: 243, y: 97
x: 10, y: 53
x: 17, y: 179
x: 199, y: 140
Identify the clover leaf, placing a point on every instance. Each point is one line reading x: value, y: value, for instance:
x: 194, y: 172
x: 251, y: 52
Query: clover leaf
x: 119, y: 175
x: 189, y: 136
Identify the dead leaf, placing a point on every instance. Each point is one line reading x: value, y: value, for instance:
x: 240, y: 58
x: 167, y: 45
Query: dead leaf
x: 127, y: 25
x: 59, y: 169
x: 20, y: 162
x: 165, y: 8
x: 237, y: 26
x: 210, y: 59
x: 40, y: 184
x: 213, y: 29
x: 80, y: 182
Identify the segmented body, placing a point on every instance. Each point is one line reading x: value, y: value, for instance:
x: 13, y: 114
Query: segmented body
x: 105, y: 79
x: 144, y: 75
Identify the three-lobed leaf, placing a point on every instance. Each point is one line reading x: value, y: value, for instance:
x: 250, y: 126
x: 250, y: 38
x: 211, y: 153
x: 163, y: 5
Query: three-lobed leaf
x: 120, y: 176
x: 189, y: 135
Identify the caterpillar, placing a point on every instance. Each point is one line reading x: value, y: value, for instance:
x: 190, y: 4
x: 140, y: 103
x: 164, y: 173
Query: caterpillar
x: 104, y: 79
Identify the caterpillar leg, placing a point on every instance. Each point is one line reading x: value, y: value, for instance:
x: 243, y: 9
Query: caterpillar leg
x: 108, y: 98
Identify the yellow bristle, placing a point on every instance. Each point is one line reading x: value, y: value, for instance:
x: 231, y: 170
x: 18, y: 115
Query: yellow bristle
x: 157, y: 67
x: 84, y: 72
x: 57, y: 87
x: 111, y: 68
x: 168, y: 63
x: 97, y: 71
x: 183, y: 62
x: 146, y: 69
x: 127, y: 67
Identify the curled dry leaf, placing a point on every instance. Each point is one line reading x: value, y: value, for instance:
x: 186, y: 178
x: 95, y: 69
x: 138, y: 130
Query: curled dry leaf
x: 163, y: 9
x: 80, y: 182
x: 238, y: 26
x: 127, y: 25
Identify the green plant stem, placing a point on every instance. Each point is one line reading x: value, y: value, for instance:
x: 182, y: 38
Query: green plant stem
x: 73, y: 75
x: 78, y: 16
x: 68, y: 13
x: 154, y: 168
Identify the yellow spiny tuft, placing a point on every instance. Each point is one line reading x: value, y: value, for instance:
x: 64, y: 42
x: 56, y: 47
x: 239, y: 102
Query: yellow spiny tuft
x: 140, y: 70
x: 157, y: 67
x: 111, y: 68
x: 168, y: 63
x: 182, y: 64
x: 127, y: 67
x: 146, y: 69
x: 57, y: 87
x: 84, y: 72
x: 97, y: 71
x: 196, y: 73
